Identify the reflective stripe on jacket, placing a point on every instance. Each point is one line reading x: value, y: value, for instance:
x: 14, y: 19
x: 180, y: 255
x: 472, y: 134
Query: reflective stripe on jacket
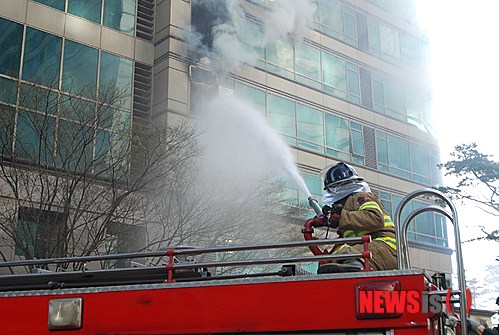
x: 364, y: 214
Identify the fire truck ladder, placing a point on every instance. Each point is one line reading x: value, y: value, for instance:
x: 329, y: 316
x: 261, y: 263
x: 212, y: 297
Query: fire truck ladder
x: 403, y: 257
x: 171, y: 269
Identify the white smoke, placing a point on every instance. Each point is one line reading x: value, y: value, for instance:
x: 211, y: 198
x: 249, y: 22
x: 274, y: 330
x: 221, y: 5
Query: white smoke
x: 288, y: 17
x: 241, y: 148
x: 236, y: 40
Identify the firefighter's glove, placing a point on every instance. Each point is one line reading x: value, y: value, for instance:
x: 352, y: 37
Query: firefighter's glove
x: 473, y: 325
x: 326, y: 209
x: 335, y: 214
x: 320, y: 221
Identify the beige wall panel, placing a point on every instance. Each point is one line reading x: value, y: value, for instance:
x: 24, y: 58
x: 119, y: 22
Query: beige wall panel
x: 424, y: 260
x: 177, y: 47
x: 252, y: 74
x: 334, y: 103
x: 177, y: 32
x: 355, y: 111
x: 384, y: 180
x: 82, y: 31
x: 333, y: 44
x: 398, y: 184
x: 414, y: 253
x: 370, y: 176
x: 379, y: 120
x: 397, y: 126
x: 281, y: 84
x: 312, y: 35
x: 45, y: 18
x: 14, y: 10
x: 369, y: 116
x: 312, y: 160
x: 178, y: 65
x: 309, y: 94
x: 159, y: 109
x: 118, y: 43
x: 178, y: 85
x: 160, y: 87
x: 181, y: 14
x: 430, y: 260
x: 352, y: 52
x: 162, y: 15
x: 161, y: 49
x: 144, y: 52
x: 176, y: 107
x: 445, y: 263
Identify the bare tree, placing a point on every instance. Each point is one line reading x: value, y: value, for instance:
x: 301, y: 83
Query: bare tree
x: 216, y: 212
x: 76, y: 179
x: 74, y: 172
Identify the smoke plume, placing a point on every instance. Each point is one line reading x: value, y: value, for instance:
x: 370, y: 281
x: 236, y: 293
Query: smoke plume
x: 229, y: 39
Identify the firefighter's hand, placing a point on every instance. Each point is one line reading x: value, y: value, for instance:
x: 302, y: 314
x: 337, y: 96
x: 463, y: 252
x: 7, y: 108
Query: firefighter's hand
x: 475, y: 326
x: 326, y: 209
x: 334, y: 218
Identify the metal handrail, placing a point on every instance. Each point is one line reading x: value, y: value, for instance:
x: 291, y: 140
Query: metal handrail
x: 403, y: 258
x: 170, y: 271
x: 179, y: 251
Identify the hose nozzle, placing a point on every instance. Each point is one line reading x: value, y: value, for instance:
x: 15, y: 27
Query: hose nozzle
x: 315, y: 205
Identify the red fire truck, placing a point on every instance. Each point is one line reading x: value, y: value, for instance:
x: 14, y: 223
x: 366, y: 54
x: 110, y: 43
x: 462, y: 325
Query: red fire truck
x: 186, y: 297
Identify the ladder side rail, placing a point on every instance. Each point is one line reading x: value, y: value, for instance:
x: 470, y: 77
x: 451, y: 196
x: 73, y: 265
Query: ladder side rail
x: 457, y: 237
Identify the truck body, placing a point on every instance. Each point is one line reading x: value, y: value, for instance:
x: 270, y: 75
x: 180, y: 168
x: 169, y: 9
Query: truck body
x: 187, y: 297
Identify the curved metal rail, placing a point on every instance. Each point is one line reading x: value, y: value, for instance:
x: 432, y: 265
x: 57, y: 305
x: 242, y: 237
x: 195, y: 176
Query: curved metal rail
x: 403, y: 257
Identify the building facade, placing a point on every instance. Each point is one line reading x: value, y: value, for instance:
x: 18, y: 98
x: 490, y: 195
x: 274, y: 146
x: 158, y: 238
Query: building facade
x: 349, y: 85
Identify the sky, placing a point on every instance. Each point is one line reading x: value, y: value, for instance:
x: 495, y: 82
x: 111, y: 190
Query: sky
x: 464, y: 61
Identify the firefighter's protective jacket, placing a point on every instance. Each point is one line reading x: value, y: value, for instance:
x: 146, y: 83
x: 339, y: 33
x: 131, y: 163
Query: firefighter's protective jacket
x: 364, y: 214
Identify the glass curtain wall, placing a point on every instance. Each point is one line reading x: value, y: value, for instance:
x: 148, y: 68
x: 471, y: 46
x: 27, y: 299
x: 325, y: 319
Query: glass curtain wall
x: 116, y: 14
x: 90, y: 108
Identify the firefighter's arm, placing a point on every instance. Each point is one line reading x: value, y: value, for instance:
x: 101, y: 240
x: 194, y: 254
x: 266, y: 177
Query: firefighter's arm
x: 367, y: 215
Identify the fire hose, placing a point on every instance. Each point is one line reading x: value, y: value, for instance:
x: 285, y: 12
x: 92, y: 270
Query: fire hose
x: 320, y: 220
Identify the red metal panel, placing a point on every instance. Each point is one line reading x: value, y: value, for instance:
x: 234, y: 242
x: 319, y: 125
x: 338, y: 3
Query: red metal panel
x: 258, y: 307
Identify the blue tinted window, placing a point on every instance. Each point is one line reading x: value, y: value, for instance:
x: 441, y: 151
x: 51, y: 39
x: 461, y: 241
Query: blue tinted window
x: 10, y: 45
x: 113, y: 119
x: 75, y: 146
x: 310, y: 124
x: 87, y: 9
x: 42, y: 58
x: 281, y: 115
x: 399, y: 153
x: 420, y: 159
x: 120, y: 15
x: 6, y: 129
x: 35, y: 138
x: 253, y: 95
x: 111, y: 154
x: 79, y: 74
x: 116, y: 74
x: 37, y: 98
x: 308, y: 61
x: 8, y: 90
x: 76, y: 109
x: 57, y: 4
x: 337, y: 133
x: 334, y: 72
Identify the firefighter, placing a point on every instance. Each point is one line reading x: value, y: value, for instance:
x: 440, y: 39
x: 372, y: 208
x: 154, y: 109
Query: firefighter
x: 355, y: 211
